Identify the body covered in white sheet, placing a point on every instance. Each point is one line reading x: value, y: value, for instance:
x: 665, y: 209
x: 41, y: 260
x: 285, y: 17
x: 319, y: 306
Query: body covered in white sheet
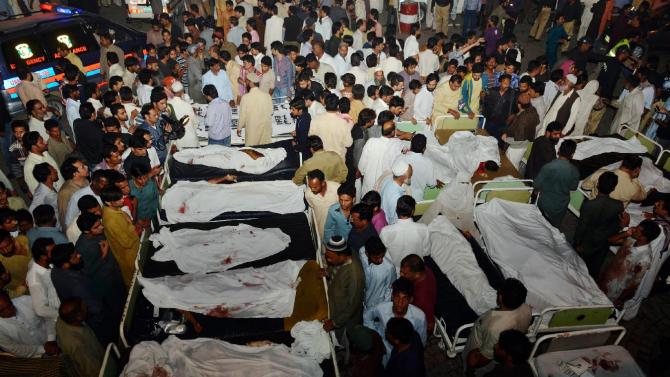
x: 203, y: 201
x: 589, y: 146
x: 461, y: 154
x: 246, y: 160
x: 658, y: 253
x: 453, y: 254
x: 266, y: 292
x: 219, y: 249
x: 526, y: 247
x: 206, y: 357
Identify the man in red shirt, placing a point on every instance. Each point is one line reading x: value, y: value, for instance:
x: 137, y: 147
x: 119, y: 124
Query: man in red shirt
x: 414, y: 269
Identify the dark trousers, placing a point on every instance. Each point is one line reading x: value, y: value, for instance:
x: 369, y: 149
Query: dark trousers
x: 469, y: 21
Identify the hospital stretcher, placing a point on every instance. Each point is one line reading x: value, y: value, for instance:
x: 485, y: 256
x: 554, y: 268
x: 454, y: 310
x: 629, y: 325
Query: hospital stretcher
x: 549, y: 319
x: 599, y: 349
x: 310, y: 302
x: 285, y: 170
x: 201, y: 201
x: 653, y: 150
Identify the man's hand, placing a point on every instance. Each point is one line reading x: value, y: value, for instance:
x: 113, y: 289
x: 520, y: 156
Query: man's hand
x: 471, y: 115
x: 624, y: 219
x: 225, y: 178
x: 239, y: 132
x: 328, y: 325
x: 155, y: 171
x: 173, y: 149
x: 455, y: 114
x: 321, y: 273
x: 439, y: 184
x: 104, y: 248
x: 51, y: 348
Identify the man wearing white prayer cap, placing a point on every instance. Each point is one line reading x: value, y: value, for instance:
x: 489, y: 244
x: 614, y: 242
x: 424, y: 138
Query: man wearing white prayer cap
x: 182, y: 107
x: 564, y: 107
x: 391, y: 189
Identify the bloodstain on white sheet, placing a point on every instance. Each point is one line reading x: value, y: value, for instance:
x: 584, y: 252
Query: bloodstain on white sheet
x: 182, y: 208
x: 228, y: 260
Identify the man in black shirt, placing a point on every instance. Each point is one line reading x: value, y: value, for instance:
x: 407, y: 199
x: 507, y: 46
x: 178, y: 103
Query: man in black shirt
x: 292, y: 25
x: 511, y: 354
x: 498, y: 105
x: 571, y: 11
x: 407, y: 356
x: 362, y: 229
x: 583, y: 54
x: 88, y: 134
x: 611, y: 72
x: 138, y: 154
x: 544, y: 150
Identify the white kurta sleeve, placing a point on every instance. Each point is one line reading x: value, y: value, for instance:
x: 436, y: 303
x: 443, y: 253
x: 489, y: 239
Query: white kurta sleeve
x: 574, y: 110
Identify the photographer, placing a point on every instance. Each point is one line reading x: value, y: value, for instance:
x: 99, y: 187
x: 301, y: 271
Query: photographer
x: 158, y: 119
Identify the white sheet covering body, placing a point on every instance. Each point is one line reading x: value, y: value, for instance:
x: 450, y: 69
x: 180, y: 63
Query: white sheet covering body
x: 266, y: 292
x: 219, y: 249
x: 453, y: 254
x: 461, y: 154
x: 526, y: 247
x: 206, y: 357
x: 222, y: 157
x: 598, y: 145
x: 202, y: 201
x: 659, y: 254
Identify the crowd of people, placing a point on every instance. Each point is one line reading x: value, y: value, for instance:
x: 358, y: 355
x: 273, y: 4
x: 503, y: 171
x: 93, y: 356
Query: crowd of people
x: 91, y: 164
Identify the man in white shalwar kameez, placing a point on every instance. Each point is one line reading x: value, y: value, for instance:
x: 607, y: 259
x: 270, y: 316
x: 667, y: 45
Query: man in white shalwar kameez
x: 274, y: 29
x: 183, y: 108
x: 631, y: 106
x: 423, y: 174
x: 558, y: 108
x: 378, y: 156
x: 588, y: 98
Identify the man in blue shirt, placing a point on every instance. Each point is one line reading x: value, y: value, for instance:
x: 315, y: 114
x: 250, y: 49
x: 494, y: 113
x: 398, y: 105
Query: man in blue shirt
x: 219, y: 78
x: 406, y: 358
x: 337, y: 221
x: 400, y: 307
x: 45, y: 221
x: 379, y: 273
x: 219, y: 117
